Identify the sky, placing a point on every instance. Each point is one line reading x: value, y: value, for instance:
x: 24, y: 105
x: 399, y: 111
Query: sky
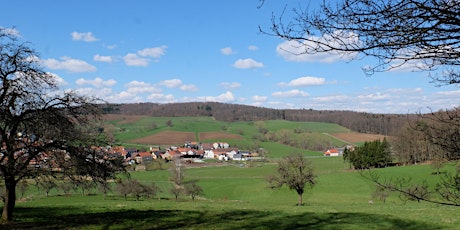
x: 170, y: 51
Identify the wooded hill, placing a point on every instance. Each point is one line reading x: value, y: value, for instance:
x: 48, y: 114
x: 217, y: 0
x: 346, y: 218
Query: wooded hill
x: 385, y: 124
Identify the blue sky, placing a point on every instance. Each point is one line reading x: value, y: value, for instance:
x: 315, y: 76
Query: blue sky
x: 167, y: 51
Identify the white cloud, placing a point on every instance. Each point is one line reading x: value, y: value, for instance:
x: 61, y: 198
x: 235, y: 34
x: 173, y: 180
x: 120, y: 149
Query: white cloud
x: 144, y: 56
x: 253, y: 48
x: 225, y: 97
x: 138, y: 87
x: 177, y: 83
x: 227, y: 51
x: 230, y: 85
x: 101, y: 93
x: 154, y: 52
x: 189, y: 88
x: 132, y: 59
x: 11, y: 31
x: 58, y: 80
x: 100, y: 58
x: 259, y: 98
x: 407, y: 66
x: 331, y: 98
x: 96, y: 82
x: 290, y: 93
x: 304, y: 81
x: 158, y: 97
x: 454, y: 93
x: 86, y: 37
x: 124, y: 97
x: 69, y: 64
x: 377, y: 96
x: 172, y: 83
x: 304, y: 51
x: 247, y: 63
x: 111, y: 47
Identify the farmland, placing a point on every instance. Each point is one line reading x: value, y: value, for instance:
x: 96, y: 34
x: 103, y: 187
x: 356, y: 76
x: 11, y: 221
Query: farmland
x: 236, y: 195
x: 145, y: 130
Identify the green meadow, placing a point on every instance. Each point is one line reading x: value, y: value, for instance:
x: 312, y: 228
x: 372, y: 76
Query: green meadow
x: 236, y: 194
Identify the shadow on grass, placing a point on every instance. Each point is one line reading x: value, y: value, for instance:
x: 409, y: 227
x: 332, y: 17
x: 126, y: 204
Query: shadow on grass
x: 58, y: 218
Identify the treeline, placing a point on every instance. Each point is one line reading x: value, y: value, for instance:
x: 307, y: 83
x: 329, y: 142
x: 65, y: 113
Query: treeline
x: 385, y: 124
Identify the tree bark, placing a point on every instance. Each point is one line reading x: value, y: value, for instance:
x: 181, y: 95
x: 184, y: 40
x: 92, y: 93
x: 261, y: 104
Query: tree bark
x: 10, y: 199
x: 300, y: 200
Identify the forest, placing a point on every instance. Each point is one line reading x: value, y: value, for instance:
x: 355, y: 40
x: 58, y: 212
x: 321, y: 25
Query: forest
x: 385, y: 124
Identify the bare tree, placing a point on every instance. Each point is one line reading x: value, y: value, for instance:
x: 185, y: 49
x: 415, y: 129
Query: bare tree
x: 123, y: 188
x: 177, y: 171
x: 22, y: 187
x: 153, y: 190
x: 176, y: 191
x: 46, y: 184
x: 294, y: 171
x: 43, y: 131
x: 421, y: 33
x: 442, y: 129
x: 193, y: 189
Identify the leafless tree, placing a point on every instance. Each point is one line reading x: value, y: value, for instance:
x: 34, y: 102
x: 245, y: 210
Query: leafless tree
x: 43, y: 131
x: 176, y: 191
x: 421, y: 33
x: 177, y: 171
x: 446, y: 192
x: 193, y: 189
x: 442, y: 129
x: 294, y: 171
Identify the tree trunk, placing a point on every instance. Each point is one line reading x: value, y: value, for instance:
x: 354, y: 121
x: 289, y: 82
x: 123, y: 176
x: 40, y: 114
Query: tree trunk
x: 10, y: 199
x: 300, y: 200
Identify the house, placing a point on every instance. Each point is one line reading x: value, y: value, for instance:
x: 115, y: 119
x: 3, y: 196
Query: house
x: 239, y: 157
x: 333, y: 153
x: 142, y: 157
x: 209, y: 154
x: 172, y: 153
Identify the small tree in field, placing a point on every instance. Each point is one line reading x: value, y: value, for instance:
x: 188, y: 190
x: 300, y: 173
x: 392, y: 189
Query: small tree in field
x: 46, y: 184
x: 152, y: 190
x: 123, y: 189
x: 295, y: 172
x: 176, y: 191
x: 193, y: 189
x: 22, y: 187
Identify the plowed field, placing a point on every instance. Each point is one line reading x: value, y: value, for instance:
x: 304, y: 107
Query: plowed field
x: 179, y: 138
x: 123, y: 119
x: 166, y: 138
x: 219, y: 135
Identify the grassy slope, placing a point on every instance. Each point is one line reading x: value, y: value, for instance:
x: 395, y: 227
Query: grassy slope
x: 238, y: 197
x: 124, y: 132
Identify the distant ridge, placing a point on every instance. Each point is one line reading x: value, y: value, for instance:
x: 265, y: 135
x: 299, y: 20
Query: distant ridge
x: 385, y: 124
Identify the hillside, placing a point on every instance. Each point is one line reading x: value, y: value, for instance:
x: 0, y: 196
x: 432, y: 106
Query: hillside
x: 385, y: 124
x: 279, y: 136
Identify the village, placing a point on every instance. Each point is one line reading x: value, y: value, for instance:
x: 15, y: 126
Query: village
x: 190, y: 151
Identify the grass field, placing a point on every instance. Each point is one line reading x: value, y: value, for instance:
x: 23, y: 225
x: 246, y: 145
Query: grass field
x: 137, y: 131
x: 238, y: 197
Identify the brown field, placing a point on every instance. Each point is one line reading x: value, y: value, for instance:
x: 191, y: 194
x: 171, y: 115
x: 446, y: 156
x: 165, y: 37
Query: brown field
x: 354, y: 137
x: 179, y: 138
x: 219, y: 135
x: 166, y: 138
x: 124, y: 119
